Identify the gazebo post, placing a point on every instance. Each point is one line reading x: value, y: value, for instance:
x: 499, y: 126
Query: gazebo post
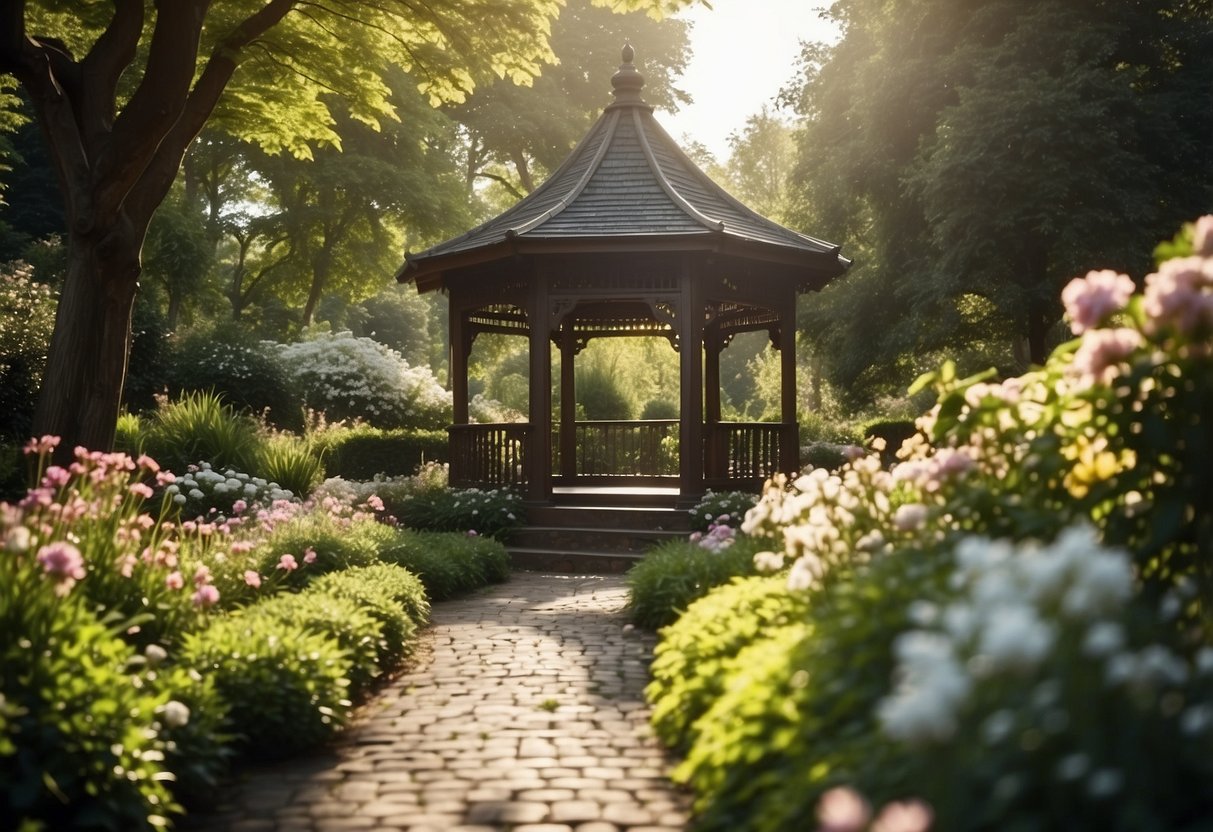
x: 460, y: 346
x: 568, y: 403
x: 712, y: 345
x: 690, y: 438
x: 789, y: 461
x: 539, y: 441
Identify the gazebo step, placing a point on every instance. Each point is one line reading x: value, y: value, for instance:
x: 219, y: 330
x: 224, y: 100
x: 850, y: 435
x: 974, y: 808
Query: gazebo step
x: 563, y: 560
x: 574, y: 538
x: 610, y: 517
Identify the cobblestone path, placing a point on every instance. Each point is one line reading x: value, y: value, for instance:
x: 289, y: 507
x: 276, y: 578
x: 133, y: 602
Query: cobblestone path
x: 523, y: 711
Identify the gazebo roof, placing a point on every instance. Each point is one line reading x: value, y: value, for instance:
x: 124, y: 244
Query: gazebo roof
x: 627, y: 187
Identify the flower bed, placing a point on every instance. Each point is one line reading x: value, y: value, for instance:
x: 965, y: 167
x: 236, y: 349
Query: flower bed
x: 141, y: 649
x: 1011, y: 628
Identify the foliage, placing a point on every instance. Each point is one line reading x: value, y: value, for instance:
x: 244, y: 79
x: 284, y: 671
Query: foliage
x: 291, y: 462
x: 227, y: 361
x: 1033, y: 570
x: 727, y: 507
x: 825, y: 455
x: 357, y: 378
x: 323, y: 541
x: 200, y: 427
x: 197, y: 751
x: 203, y: 493
x: 425, y: 502
x: 287, y: 689
x: 27, y: 316
x: 363, y: 452
x: 673, y: 574
x: 340, y: 620
x: 391, y: 595
x: 697, y: 653
x: 81, y: 744
x: 448, y: 563
x: 997, y: 179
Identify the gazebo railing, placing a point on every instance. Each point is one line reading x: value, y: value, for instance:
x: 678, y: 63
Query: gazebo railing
x: 491, y: 455
x: 619, y: 448
x: 740, y: 453
x: 749, y: 451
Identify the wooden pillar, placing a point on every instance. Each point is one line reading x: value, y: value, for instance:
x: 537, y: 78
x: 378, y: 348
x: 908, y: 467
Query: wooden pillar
x: 460, y: 347
x: 712, y: 345
x: 539, y: 443
x: 790, y: 438
x: 690, y: 338
x: 568, y: 402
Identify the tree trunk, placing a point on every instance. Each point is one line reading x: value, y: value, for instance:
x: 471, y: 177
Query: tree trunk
x: 86, y: 364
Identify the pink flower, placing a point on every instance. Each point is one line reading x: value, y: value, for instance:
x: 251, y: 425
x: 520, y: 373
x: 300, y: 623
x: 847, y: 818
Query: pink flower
x: 202, y: 575
x: 1202, y: 235
x: 1091, y: 299
x: 126, y: 565
x: 63, y: 561
x: 288, y: 563
x: 141, y: 490
x: 842, y: 810
x: 44, y: 445
x: 904, y: 816
x: 374, y: 502
x: 309, y: 555
x: 1101, y: 353
x: 241, y: 547
x: 206, y: 596
x: 56, y: 477
x: 252, y: 579
x: 1178, y: 295
x: 239, y: 506
x: 174, y: 580
x: 148, y: 464
x: 472, y: 533
x: 165, y: 478
x: 909, y: 517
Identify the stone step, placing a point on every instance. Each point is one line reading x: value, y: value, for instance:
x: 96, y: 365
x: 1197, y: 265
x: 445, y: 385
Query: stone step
x: 593, y: 538
x: 572, y: 562
x: 609, y: 517
x: 625, y: 540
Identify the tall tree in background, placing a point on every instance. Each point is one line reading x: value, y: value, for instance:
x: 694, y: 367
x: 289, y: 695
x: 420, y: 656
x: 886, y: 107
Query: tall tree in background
x: 761, y: 158
x: 515, y: 135
x: 121, y: 89
x: 976, y: 155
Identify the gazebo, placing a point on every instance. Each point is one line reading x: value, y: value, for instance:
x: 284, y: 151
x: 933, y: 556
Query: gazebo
x: 626, y: 238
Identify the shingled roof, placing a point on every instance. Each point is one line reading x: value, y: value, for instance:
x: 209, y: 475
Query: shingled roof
x: 626, y: 187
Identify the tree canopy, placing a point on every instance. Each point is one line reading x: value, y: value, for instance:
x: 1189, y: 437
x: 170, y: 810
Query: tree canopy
x: 975, y: 156
x: 121, y: 89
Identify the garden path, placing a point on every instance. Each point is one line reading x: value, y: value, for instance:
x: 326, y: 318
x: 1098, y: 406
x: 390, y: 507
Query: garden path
x: 522, y: 711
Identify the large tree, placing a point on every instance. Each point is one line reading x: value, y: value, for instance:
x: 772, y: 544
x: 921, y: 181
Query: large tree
x: 121, y: 89
x: 975, y: 156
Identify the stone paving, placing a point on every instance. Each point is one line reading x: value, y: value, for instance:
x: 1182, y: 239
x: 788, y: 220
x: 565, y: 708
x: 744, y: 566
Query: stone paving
x: 522, y: 711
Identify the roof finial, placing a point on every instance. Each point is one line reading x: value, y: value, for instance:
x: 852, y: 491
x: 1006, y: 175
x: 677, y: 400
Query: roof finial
x: 628, y: 81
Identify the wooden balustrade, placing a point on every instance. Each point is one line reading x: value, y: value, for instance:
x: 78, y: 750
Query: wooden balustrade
x: 489, y: 456
x: 745, y: 453
x: 647, y: 448
x: 749, y: 451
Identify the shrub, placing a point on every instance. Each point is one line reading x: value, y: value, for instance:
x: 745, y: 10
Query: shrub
x: 675, y: 573
x: 80, y: 747
x: 695, y: 659
x: 726, y: 507
x: 232, y: 363
x: 338, y: 619
x: 357, y: 378
x: 200, y: 427
x: 892, y: 433
x: 198, y: 750
x: 27, y: 317
x: 488, y: 513
x: 391, y: 595
x: 321, y: 542
x: 449, y: 564
x: 291, y: 462
x: 287, y: 689
x: 825, y: 455
x: 364, y: 452
x: 204, y: 492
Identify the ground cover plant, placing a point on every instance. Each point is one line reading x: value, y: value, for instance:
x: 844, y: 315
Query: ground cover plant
x: 142, y: 648
x: 1011, y: 628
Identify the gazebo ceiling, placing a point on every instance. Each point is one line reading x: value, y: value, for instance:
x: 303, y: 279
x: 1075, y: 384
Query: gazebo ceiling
x: 628, y: 188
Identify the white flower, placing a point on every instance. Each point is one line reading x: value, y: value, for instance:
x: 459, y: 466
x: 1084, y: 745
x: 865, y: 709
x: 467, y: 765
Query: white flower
x: 1103, y: 639
x: 176, y: 714
x: 768, y: 562
x: 909, y: 517
x: 1015, y: 637
x: 931, y: 688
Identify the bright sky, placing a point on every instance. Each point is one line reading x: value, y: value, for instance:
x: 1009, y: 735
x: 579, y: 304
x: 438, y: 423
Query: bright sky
x: 743, y: 52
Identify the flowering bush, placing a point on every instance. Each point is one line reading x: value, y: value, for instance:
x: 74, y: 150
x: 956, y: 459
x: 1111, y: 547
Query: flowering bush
x: 674, y: 573
x: 358, y: 378
x: 726, y: 507
x: 202, y: 493
x: 425, y: 502
x: 1014, y: 622
x: 27, y: 316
